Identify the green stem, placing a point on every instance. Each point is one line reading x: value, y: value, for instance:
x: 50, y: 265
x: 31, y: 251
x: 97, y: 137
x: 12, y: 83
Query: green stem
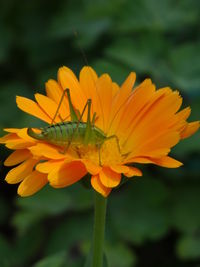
x: 99, y: 230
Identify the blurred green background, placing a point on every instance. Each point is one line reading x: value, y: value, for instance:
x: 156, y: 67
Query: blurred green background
x: 153, y: 221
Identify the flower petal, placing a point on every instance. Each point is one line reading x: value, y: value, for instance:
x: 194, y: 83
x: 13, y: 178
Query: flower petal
x: 18, y: 144
x: 46, y: 150
x: 109, y: 178
x: 18, y: 173
x: 190, y: 129
x: 54, y: 91
x: 166, y: 161
x: 68, y: 80
x: 133, y: 172
x: 24, y: 135
x: 120, y: 168
x: 32, y: 108
x: 104, y: 95
x: 48, y: 166
x: 48, y: 105
x: 32, y: 183
x: 17, y: 157
x: 8, y: 137
x: 91, y: 167
x: 99, y: 187
x: 67, y: 174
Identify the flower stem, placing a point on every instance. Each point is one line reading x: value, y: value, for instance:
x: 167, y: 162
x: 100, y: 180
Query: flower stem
x: 99, y: 230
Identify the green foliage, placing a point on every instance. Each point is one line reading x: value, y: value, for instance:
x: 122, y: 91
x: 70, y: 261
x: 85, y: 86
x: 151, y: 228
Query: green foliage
x: 145, y: 204
x: 155, y: 213
x: 57, y: 260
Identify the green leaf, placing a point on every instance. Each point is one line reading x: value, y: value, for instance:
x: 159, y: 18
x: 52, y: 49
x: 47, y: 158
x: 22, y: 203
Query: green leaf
x: 24, y: 219
x: 141, y: 53
x: 120, y: 255
x: 140, y: 212
x: 185, y: 201
x: 56, y: 260
x: 73, y: 230
x: 4, y: 209
x: 117, y: 72
x: 152, y: 15
x: 28, y: 245
x: 188, y: 247
x: 185, y: 66
x: 47, y: 201
x: 5, y: 252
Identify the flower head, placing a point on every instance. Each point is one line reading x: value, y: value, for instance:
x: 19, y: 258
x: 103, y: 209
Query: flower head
x: 146, y: 123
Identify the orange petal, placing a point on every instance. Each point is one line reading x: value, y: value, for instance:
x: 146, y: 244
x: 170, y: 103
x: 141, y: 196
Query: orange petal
x: 91, y: 168
x: 157, y: 146
x: 18, y: 173
x: 123, y: 93
x: 12, y: 130
x: 167, y: 162
x: 18, y: 144
x: 133, y: 172
x: 67, y: 79
x: 99, y: 187
x: 88, y: 79
x: 153, y: 116
x: 120, y: 168
x: 104, y: 101
x: 190, y: 129
x: 184, y: 114
x: 109, y: 178
x: 144, y: 160
x: 124, y: 114
x: 17, y: 157
x: 47, y: 151
x: 32, y: 183
x: 23, y: 134
x: 126, y: 170
x: 67, y: 174
x: 48, y: 166
x: 7, y: 138
x: 48, y: 105
x: 115, y: 90
x: 32, y: 108
x: 54, y: 91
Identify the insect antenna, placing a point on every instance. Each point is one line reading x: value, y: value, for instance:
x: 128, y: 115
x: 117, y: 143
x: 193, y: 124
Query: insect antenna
x: 87, y: 64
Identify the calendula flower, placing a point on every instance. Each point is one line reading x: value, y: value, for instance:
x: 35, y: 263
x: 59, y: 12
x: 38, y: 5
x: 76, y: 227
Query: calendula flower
x: 146, y: 124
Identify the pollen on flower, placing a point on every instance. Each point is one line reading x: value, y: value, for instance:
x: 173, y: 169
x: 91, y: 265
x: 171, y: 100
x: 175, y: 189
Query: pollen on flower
x: 106, y: 155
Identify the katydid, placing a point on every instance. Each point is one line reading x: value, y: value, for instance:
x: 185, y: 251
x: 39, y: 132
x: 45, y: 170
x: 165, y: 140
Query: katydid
x: 75, y: 132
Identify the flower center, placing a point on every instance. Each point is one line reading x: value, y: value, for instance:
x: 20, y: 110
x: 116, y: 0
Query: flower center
x: 107, y: 154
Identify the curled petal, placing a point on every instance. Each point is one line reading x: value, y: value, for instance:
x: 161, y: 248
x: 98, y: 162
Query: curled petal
x: 109, y: 178
x: 132, y: 171
x: 99, y: 187
x: 190, y: 129
x: 91, y: 167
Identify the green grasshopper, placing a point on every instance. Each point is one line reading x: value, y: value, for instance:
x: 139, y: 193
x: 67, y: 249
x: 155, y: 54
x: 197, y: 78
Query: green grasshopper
x: 74, y: 133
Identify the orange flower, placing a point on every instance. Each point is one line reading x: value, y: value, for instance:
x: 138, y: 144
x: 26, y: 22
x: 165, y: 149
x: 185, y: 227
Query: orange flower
x: 146, y: 121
